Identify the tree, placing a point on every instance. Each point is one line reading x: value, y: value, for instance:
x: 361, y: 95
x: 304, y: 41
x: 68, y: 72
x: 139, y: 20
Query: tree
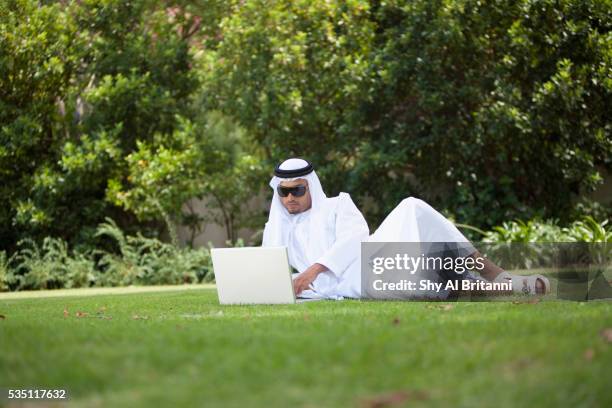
x: 489, y: 110
x: 501, y: 104
x: 290, y: 72
x: 210, y: 159
x: 39, y: 49
x: 82, y: 86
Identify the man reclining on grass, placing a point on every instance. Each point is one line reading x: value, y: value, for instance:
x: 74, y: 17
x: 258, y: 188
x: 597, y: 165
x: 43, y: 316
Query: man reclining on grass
x: 323, y: 235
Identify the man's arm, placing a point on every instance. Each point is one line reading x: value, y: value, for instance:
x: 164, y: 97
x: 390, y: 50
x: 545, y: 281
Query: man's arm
x: 351, y: 230
x: 304, y: 279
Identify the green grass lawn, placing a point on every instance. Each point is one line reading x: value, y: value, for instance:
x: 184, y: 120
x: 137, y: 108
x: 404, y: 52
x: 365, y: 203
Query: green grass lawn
x: 181, y: 348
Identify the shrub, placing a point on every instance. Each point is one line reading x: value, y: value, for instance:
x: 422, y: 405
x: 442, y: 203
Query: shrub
x: 458, y: 102
x: 148, y: 261
x: 586, y: 229
x: 82, y: 83
x: 137, y: 260
x: 4, y: 272
x: 50, y: 266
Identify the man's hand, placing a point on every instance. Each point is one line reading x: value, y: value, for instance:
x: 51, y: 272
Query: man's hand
x: 304, y: 279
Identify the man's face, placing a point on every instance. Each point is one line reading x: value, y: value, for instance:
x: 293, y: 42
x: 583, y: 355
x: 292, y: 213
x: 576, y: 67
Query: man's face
x: 295, y: 204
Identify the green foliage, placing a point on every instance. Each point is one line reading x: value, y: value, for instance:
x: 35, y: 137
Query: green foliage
x: 291, y: 72
x: 162, y: 176
x: 36, y: 66
x: 83, y: 85
x: 133, y: 260
x: 521, y: 231
x: 594, y: 209
x: 584, y: 230
x: 4, y: 272
x: 50, y: 266
x: 501, y: 106
x: 537, y: 243
x: 233, y: 192
x: 491, y: 110
x: 210, y: 158
x: 589, y: 230
x: 147, y: 261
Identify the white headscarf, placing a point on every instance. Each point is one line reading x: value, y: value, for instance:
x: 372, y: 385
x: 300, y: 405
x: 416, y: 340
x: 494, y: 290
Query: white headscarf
x: 280, y: 226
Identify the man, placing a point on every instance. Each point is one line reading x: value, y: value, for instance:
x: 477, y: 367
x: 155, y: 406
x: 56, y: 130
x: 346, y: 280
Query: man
x: 323, y: 234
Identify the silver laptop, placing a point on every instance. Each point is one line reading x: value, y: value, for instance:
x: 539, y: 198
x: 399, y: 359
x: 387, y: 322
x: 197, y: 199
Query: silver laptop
x: 253, y: 275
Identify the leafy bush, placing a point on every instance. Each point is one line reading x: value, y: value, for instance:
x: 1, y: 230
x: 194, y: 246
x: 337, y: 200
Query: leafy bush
x: 4, y: 272
x: 82, y: 83
x: 521, y: 231
x: 211, y: 157
x: 584, y: 230
x: 138, y: 260
x: 490, y: 109
x: 148, y: 261
x: 128, y: 109
x: 50, y: 266
x: 588, y: 230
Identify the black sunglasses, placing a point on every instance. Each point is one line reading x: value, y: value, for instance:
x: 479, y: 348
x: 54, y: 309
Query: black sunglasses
x: 296, y: 191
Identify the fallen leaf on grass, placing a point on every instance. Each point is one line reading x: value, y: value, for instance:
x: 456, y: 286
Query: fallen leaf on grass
x: 589, y: 354
x: 81, y: 314
x: 137, y: 317
x: 607, y: 335
x: 66, y: 313
x: 393, y: 398
x: 396, y: 321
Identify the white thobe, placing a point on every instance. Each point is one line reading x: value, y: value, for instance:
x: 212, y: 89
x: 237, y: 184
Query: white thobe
x: 343, y: 230
x: 340, y: 236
